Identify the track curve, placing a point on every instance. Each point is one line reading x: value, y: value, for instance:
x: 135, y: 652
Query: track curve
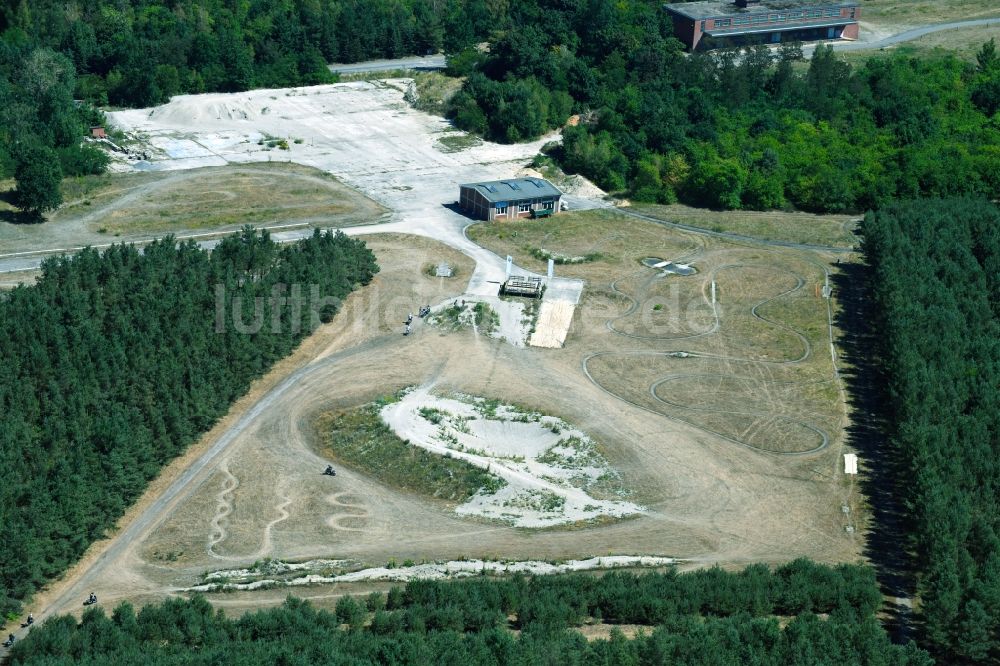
x: 823, y: 437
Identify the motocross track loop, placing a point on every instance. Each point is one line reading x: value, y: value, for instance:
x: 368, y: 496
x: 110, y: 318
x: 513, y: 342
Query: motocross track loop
x: 353, y: 519
x: 754, y: 422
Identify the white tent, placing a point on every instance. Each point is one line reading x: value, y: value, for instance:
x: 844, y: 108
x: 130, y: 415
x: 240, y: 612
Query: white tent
x: 850, y: 463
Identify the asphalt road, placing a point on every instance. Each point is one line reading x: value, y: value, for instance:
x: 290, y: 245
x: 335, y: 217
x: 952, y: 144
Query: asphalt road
x: 17, y: 262
x: 905, y: 36
x: 414, y: 62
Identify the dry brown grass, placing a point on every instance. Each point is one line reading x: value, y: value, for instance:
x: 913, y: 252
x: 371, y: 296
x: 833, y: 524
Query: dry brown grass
x: 710, y: 500
x: 133, y: 207
x: 11, y: 280
x: 254, y: 194
x: 795, y: 227
x: 601, y: 631
x: 620, y: 241
x: 760, y: 376
x: 963, y: 43
x: 892, y: 13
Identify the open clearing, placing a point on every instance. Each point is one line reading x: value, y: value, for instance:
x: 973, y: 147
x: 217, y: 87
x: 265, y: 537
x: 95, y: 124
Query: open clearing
x: 722, y: 420
x: 221, y: 197
x: 134, y: 206
x: 961, y: 42
x: 743, y: 366
x: 551, y: 473
x: 699, y: 456
x: 895, y: 14
x: 797, y: 227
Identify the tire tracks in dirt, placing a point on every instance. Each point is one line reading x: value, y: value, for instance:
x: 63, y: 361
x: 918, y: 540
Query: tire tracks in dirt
x: 218, y: 531
x: 743, y: 440
x: 335, y: 520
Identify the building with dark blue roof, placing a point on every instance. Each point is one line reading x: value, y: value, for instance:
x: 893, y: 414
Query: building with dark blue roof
x: 510, y: 199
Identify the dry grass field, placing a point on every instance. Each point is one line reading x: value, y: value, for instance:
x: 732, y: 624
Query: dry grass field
x: 963, y: 43
x: 113, y: 207
x: 908, y: 13
x: 796, y: 227
x: 746, y: 369
x: 700, y: 441
x: 721, y: 418
x: 219, y: 198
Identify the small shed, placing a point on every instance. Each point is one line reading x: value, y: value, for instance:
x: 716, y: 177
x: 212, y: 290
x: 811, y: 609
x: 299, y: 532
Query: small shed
x: 850, y: 463
x: 98, y: 132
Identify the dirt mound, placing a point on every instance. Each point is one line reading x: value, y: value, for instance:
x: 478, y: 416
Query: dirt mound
x: 187, y: 109
x: 576, y: 184
x: 250, y: 579
x: 551, y: 471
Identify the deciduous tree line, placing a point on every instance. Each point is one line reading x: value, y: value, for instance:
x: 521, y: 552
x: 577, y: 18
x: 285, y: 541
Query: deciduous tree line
x: 113, y: 363
x: 41, y: 127
x: 732, y: 130
x: 140, y: 52
x: 706, y: 617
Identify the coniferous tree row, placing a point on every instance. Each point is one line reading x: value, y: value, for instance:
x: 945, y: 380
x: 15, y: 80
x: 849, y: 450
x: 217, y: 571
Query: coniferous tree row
x: 704, y: 617
x: 114, y: 362
x: 936, y: 267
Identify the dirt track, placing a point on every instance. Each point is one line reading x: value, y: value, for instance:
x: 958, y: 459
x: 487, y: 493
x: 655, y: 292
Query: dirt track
x: 156, y: 196
x: 258, y: 492
x: 253, y: 487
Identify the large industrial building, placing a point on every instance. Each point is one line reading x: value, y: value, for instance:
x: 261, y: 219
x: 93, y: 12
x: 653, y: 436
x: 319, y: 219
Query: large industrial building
x: 510, y: 199
x: 717, y: 23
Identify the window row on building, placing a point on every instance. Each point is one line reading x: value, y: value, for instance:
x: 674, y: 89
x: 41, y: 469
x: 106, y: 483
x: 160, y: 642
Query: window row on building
x: 781, y: 17
x: 525, y: 206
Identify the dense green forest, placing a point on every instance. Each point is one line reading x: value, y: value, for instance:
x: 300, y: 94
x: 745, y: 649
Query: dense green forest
x: 719, y: 129
x: 41, y: 128
x: 729, y: 130
x: 140, y: 52
x: 936, y: 280
x: 707, y: 617
x: 114, y: 362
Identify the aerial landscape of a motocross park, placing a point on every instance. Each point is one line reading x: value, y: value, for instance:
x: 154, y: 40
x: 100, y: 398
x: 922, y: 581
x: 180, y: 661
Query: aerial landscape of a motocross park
x: 499, y: 332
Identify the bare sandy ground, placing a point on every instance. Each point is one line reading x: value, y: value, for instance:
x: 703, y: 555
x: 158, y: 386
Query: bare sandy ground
x: 547, y: 466
x: 366, y: 135
x: 554, y: 319
x: 707, y: 500
x: 302, y: 573
x: 253, y: 488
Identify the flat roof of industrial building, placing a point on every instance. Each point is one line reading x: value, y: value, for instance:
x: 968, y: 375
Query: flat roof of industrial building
x: 710, y: 8
x: 788, y: 27
x: 515, y: 189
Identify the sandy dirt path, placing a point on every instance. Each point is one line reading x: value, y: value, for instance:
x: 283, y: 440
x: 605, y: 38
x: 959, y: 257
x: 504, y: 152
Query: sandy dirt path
x: 708, y: 501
